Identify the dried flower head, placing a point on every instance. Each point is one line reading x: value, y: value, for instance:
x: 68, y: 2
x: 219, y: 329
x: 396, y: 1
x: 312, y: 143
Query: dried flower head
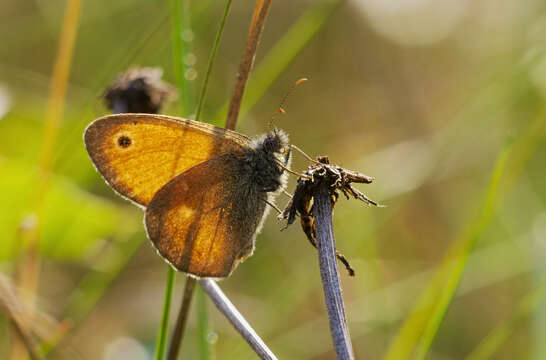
x: 138, y: 90
x: 337, y: 179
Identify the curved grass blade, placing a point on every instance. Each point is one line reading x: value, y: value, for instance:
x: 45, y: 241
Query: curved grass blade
x: 491, y: 343
x: 211, y: 60
x: 162, y: 334
x: 420, y: 328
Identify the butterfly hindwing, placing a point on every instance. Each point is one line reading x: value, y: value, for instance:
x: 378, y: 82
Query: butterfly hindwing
x: 139, y: 153
x: 204, y: 221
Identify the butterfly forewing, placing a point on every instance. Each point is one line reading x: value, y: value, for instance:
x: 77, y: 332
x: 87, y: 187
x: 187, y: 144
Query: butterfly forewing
x: 202, y: 221
x: 139, y: 153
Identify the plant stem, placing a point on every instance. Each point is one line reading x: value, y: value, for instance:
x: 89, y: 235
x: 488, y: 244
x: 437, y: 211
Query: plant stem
x: 180, y: 20
x: 322, y: 211
x: 256, y: 27
x: 203, y: 326
x: 178, y: 334
x: 236, y: 319
x: 275, y: 62
x: 162, y: 335
x: 211, y: 60
x: 29, y: 268
x: 209, y: 286
x: 177, y: 44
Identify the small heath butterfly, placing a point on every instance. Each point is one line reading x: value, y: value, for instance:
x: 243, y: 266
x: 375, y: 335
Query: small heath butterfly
x: 204, y: 189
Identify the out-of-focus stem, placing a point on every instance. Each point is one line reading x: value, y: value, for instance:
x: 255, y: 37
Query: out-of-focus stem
x: 29, y: 269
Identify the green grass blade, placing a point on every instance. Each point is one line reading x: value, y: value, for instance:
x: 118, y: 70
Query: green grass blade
x: 162, y: 334
x: 491, y: 343
x: 420, y: 328
x: 282, y: 54
x: 180, y: 25
x: 415, y: 325
x: 185, y: 91
x: 176, y: 34
x: 453, y: 267
x: 211, y: 60
x: 202, y: 315
x: 203, y: 325
x: 515, y: 157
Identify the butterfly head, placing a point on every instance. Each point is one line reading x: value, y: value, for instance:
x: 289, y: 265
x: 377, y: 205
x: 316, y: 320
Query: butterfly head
x: 276, y: 142
x: 271, y: 152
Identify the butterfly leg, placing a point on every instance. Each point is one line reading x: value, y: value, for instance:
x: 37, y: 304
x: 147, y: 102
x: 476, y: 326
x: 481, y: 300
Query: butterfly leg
x: 287, y: 156
x: 308, y: 227
x: 273, y: 206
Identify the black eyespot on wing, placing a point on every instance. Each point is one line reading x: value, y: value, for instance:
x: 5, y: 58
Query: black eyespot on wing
x: 124, y: 141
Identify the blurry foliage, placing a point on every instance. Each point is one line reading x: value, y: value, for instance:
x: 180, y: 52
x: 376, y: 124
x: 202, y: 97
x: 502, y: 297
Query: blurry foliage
x: 425, y: 115
x: 74, y: 219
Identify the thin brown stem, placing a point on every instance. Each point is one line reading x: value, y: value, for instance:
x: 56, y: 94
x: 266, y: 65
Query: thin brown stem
x: 181, y: 321
x: 256, y: 27
x: 28, y: 342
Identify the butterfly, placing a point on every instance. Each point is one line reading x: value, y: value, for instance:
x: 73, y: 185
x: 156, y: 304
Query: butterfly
x: 204, y: 189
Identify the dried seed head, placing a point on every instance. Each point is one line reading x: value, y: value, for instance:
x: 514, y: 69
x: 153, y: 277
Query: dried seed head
x: 138, y: 90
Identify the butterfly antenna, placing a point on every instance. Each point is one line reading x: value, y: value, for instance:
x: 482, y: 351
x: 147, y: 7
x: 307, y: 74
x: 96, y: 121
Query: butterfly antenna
x: 305, y: 155
x: 280, y: 110
x: 293, y: 172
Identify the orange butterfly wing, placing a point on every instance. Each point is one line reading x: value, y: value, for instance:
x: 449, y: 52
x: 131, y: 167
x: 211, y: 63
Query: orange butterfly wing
x: 139, y: 153
x: 205, y: 220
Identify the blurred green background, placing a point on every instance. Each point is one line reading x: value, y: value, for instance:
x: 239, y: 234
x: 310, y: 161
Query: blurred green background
x: 441, y: 101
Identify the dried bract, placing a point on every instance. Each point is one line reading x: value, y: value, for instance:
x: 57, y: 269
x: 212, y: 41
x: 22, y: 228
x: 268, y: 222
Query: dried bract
x: 338, y: 179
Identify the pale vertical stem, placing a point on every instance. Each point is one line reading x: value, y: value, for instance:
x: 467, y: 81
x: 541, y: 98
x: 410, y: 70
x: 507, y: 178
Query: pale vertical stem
x: 30, y: 267
x: 54, y: 111
x: 236, y: 319
x: 322, y: 211
x: 59, y: 85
